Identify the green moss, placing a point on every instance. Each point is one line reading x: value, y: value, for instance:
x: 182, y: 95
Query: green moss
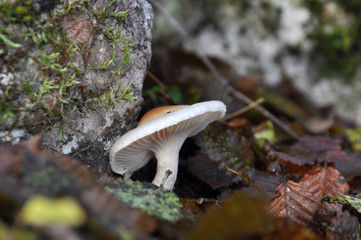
x: 110, y: 98
x: 154, y: 201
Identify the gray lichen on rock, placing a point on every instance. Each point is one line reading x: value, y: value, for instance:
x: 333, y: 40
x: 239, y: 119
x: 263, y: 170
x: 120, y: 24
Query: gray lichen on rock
x: 73, y: 72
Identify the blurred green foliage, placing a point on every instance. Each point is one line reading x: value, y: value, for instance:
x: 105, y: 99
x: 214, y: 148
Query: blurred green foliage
x: 354, y: 136
x: 43, y: 211
x: 16, y: 233
x: 336, y: 36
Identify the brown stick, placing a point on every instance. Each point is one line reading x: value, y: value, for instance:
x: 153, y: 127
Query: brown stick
x: 157, y: 81
x: 242, y: 110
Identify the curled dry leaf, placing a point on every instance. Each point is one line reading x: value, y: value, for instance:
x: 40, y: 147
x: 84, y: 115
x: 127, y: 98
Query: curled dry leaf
x: 291, y: 200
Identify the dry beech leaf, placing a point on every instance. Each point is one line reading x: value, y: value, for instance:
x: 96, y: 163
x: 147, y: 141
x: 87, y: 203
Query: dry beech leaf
x: 291, y: 200
x: 324, y: 181
x: 321, y: 182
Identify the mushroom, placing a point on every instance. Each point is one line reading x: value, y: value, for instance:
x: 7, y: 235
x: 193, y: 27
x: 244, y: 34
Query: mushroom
x: 162, y: 132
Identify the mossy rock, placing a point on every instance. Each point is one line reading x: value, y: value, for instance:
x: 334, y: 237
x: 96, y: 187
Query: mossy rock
x: 73, y: 71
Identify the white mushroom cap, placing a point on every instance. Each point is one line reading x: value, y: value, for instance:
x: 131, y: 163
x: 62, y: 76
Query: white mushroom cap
x: 162, y: 132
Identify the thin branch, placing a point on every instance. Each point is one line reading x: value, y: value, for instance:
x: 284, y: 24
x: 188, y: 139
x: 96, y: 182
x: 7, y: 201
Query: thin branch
x: 245, y: 177
x: 242, y: 110
x: 157, y: 81
x: 200, y: 53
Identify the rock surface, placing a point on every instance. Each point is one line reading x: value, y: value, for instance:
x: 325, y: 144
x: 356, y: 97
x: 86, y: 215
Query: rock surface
x: 73, y: 72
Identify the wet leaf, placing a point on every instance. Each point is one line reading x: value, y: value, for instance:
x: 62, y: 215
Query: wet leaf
x: 322, y: 149
x: 224, y: 147
x: 150, y: 199
x: 312, y: 150
x: 208, y: 171
x: 291, y: 200
x: 239, y: 217
x: 265, y: 181
x: 42, y: 211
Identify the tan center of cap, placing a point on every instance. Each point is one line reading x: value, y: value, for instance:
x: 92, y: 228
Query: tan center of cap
x: 159, y: 111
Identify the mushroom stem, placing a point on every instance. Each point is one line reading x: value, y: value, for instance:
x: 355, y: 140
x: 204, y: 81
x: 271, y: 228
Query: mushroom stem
x: 167, y: 160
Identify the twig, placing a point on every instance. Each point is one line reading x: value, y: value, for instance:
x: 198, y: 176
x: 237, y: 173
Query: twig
x: 157, y: 81
x: 242, y: 110
x: 216, y: 73
x: 245, y: 177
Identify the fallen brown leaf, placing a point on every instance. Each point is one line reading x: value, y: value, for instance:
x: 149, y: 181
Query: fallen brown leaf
x: 291, y: 200
x: 323, y: 181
